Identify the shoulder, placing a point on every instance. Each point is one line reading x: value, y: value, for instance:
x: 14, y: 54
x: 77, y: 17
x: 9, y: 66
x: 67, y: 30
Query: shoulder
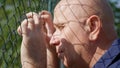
x: 111, y: 58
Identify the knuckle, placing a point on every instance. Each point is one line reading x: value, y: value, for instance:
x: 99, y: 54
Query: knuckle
x: 24, y: 22
x: 31, y: 14
x: 30, y: 20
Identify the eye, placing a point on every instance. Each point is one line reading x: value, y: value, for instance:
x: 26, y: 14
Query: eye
x: 60, y: 26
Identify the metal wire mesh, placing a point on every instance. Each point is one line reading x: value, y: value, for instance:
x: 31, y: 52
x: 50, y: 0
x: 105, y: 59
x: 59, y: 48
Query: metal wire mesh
x: 11, y: 14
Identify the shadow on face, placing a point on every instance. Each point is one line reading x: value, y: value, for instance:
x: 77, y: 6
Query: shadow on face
x: 71, y: 58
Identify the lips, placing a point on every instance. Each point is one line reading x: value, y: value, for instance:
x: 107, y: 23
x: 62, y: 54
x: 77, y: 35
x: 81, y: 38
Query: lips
x: 60, y: 51
x: 61, y: 55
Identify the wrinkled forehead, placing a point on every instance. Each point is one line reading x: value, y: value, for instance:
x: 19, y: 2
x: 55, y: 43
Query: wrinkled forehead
x: 69, y: 10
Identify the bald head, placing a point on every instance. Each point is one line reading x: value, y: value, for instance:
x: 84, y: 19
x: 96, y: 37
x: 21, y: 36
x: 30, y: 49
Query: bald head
x: 83, y: 8
x: 97, y: 21
x: 79, y: 10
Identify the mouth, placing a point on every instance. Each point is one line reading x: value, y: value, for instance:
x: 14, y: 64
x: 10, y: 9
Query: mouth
x: 61, y: 55
x: 60, y: 52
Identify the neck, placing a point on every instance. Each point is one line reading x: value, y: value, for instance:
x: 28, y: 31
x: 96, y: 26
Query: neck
x: 96, y: 57
x: 100, y: 50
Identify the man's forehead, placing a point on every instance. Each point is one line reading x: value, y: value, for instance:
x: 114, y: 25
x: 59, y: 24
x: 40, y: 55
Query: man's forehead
x: 69, y: 11
x: 65, y: 2
x: 79, y: 2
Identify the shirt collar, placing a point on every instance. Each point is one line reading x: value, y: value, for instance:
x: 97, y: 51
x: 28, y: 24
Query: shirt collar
x: 110, y: 55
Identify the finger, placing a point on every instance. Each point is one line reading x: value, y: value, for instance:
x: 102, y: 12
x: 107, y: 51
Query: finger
x: 46, y: 15
x: 30, y: 14
x: 38, y: 21
x: 31, y: 24
x: 35, y: 17
x: 50, y: 29
x: 48, y: 22
x: 23, y: 27
x: 44, y: 12
x: 19, y: 31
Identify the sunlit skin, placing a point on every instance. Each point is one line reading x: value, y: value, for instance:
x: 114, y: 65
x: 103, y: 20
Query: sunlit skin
x: 78, y: 35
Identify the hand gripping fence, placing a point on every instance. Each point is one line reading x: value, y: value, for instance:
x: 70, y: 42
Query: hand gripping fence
x: 12, y: 12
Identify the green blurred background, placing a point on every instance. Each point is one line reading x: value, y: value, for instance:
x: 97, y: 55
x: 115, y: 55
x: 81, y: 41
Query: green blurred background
x: 12, y: 12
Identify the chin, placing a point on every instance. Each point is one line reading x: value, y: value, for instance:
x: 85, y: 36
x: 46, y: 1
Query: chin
x: 67, y: 63
x: 74, y: 63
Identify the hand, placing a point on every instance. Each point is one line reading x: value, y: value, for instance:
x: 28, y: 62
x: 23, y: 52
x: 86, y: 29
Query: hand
x: 48, y: 24
x: 52, y: 59
x: 33, y: 48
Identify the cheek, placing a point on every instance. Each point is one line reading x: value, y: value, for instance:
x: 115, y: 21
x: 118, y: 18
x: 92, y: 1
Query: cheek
x: 73, y: 55
x: 75, y: 34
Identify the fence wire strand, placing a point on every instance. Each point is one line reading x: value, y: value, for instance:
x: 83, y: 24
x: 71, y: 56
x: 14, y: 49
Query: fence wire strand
x: 12, y: 13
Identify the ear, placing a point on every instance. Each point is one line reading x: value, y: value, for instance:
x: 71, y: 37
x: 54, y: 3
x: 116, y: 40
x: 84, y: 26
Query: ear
x: 93, y: 24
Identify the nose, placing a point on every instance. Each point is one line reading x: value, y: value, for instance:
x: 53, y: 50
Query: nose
x: 55, y: 41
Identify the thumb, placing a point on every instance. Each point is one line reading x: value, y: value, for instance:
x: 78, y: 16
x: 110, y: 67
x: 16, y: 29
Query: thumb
x: 50, y: 29
x: 47, y: 17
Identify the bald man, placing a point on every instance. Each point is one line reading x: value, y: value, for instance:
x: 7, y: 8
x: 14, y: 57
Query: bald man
x: 81, y: 34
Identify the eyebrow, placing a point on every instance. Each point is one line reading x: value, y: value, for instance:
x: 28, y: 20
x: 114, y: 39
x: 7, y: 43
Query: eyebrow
x: 64, y: 22
x: 59, y: 24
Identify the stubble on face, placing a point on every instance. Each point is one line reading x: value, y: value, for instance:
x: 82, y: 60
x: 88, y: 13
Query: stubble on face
x: 76, y: 11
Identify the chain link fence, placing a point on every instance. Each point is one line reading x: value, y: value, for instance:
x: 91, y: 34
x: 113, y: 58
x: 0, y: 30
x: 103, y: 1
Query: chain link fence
x: 12, y: 12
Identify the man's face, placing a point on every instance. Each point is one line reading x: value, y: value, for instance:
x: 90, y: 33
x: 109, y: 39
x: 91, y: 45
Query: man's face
x: 70, y: 37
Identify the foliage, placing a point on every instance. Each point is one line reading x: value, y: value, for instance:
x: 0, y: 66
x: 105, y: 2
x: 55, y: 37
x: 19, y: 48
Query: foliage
x: 12, y: 13
x: 116, y: 11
